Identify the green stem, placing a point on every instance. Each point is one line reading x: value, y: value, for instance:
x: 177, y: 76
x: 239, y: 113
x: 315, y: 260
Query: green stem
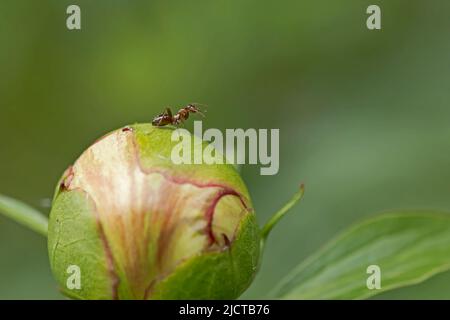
x: 23, y: 214
x: 280, y: 213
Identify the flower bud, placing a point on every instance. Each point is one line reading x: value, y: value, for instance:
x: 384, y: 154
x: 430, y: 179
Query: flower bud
x: 138, y: 226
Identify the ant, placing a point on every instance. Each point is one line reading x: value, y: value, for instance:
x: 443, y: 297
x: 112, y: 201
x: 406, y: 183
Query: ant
x: 166, y: 117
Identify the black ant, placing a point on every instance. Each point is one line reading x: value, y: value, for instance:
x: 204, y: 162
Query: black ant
x: 166, y: 117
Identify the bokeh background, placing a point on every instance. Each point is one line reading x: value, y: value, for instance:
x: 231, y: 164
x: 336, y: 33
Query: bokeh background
x: 364, y: 116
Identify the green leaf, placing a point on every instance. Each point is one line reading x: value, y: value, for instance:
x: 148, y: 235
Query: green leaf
x: 23, y: 214
x: 408, y: 247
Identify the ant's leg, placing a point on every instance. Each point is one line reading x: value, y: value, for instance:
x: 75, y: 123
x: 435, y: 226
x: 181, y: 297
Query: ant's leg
x: 168, y: 112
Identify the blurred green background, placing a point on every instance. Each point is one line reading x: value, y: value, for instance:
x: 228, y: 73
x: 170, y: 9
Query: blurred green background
x: 363, y: 115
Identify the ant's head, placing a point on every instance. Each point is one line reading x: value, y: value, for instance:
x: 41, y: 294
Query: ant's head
x: 194, y: 108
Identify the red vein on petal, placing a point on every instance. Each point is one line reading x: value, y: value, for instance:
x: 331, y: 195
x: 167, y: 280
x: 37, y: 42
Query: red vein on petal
x: 209, y: 214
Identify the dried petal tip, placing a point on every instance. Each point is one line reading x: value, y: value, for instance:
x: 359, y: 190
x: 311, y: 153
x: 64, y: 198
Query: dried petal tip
x: 127, y: 129
x: 66, y: 179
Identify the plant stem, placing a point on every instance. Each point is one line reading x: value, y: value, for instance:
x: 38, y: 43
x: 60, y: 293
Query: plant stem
x: 24, y: 214
x: 280, y: 213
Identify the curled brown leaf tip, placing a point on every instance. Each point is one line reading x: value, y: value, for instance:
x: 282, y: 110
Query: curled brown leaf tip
x: 67, y: 178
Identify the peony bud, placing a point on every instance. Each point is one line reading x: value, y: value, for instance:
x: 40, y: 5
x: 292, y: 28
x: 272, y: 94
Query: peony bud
x: 140, y: 227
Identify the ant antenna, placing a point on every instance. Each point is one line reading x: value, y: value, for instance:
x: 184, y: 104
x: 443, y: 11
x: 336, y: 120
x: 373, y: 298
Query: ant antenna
x: 203, y: 108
